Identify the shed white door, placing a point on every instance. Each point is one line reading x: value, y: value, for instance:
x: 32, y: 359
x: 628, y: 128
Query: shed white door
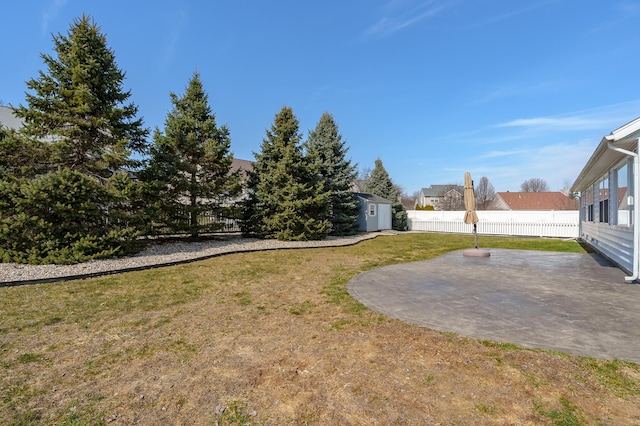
x: 384, y: 216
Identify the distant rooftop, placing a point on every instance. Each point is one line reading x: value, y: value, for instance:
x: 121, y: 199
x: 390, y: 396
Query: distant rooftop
x: 534, y: 201
x: 438, y: 190
x: 8, y: 119
x: 245, y: 167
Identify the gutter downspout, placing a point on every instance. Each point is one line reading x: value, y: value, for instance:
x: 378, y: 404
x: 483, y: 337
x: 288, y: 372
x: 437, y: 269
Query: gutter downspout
x: 636, y: 211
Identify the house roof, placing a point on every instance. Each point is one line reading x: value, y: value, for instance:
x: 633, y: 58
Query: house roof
x: 604, y: 158
x: 245, y: 166
x: 439, y: 190
x: 535, y: 201
x: 373, y: 198
x: 8, y: 119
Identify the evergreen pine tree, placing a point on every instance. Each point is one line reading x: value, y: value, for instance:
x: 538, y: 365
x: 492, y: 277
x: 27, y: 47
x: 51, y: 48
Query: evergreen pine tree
x: 380, y: 184
x: 21, y: 156
x: 80, y: 107
x: 71, y: 202
x: 285, y: 195
x: 327, y: 152
x: 57, y: 217
x: 188, y: 174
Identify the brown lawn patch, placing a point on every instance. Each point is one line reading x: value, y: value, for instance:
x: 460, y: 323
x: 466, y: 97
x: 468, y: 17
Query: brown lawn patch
x: 273, y: 338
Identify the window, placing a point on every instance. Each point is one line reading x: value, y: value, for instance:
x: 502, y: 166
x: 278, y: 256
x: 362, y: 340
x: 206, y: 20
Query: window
x: 372, y: 209
x: 622, y: 174
x: 603, y: 197
x: 587, y: 197
x: 584, y: 202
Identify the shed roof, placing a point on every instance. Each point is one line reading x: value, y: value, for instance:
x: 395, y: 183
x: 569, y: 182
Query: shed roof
x: 373, y: 198
x: 537, y: 201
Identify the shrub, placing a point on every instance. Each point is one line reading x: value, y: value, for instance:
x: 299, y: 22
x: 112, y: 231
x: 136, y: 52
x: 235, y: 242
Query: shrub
x: 60, y: 217
x: 424, y: 208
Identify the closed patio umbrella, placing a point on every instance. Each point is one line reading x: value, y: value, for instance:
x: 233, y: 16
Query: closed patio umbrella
x: 470, y: 215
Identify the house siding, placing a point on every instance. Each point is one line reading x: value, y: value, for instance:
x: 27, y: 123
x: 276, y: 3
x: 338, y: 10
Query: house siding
x: 615, y: 242
x: 607, y: 207
x: 608, y: 229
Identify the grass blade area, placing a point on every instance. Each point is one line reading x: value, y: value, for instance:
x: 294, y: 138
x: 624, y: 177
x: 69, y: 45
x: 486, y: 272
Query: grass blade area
x: 274, y: 338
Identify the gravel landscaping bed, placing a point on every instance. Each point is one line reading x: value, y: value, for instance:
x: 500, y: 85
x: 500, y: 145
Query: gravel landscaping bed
x: 155, y: 255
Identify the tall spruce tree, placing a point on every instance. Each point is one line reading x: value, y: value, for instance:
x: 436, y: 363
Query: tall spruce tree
x: 380, y: 184
x: 286, y: 200
x: 189, y: 174
x: 79, y: 105
x: 21, y: 156
x: 327, y: 152
x: 73, y: 203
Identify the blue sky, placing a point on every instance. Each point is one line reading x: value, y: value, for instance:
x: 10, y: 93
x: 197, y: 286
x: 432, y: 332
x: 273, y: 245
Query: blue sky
x: 500, y: 88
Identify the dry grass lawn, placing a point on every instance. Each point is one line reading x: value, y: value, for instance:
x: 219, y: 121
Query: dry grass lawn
x: 272, y: 338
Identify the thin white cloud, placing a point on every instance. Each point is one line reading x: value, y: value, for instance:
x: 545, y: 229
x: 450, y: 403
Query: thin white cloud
x: 489, y: 135
x: 509, y: 91
x: 563, y: 123
x: 510, y: 14
x: 50, y: 14
x: 593, y: 123
x: 556, y: 163
x: 504, y: 153
x: 621, y: 13
x: 396, y: 20
x: 553, y: 148
x: 560, y: 162
x: 172, y: 37
x: 607, y: 117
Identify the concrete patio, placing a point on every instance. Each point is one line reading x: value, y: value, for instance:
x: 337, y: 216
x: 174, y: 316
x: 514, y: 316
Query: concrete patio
x: 569, y: 302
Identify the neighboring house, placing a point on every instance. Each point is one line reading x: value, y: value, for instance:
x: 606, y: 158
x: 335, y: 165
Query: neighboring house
x: 532, y: 201
x: 375, y: 213
x: 245, y: 167
x: 8, y: 119
x: 437, y: 195
x: 358, y: 185
x: 609, y: 185
x: 451, y: 200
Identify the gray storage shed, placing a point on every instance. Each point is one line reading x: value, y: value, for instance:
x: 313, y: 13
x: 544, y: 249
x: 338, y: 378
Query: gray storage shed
x: 375, y: 213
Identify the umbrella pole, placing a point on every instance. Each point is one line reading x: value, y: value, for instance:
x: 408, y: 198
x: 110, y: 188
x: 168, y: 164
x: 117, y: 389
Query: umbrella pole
x: 475, y: 233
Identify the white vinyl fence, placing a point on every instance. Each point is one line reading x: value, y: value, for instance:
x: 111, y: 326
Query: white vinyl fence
x: 562, y: 223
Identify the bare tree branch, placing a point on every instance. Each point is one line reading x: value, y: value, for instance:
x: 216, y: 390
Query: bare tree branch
x: 534, y: 185
x: 484, y: 193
